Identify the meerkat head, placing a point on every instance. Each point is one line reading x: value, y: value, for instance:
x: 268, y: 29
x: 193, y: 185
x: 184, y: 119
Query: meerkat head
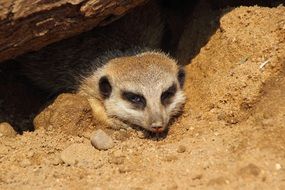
x: 143, y: 90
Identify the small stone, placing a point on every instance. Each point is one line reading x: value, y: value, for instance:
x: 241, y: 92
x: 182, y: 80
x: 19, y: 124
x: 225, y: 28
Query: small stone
x: 278, y: 166
x: 117, y: 157
x: 229, y: 118
x: 140, y: 134
x: 250, y: 170
x: 170, y: 158
x: 79, y: 154
x: 125, y: 169
x: 211, y: 106
x: 7, y: 130
x: 267, y: 122
x: 86, y: 134
x: 121, y: 135
x: 218, y: 181
x: 197, y: 177
x: 181, y: 149
x: 117, y: 160
x: 216, y: 133
x: 101, y: 140
x: 56, y: 161
x: 245, y: 106
x: 30, y: 154
x: 25, y: 163
x: 130, y: 129
x: 118, y: 153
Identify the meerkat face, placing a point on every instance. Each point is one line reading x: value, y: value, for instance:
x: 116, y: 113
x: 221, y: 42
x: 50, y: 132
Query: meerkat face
x: 143, y: 90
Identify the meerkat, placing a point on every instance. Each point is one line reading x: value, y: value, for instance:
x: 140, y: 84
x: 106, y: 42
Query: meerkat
x: 143, y: 89
x: 125, y: 83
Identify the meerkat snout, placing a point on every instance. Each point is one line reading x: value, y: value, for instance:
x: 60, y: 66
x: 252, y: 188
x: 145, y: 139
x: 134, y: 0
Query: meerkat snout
x: 143, y: 90
x: 157, y: 127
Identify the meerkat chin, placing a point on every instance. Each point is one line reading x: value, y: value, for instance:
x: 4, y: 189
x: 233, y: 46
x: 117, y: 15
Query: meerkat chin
x: 144, y: 90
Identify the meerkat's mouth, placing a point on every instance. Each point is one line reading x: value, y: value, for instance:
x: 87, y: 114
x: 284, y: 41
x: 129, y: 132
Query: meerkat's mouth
x: 156, y: 134
x: 125, y: 124
x: 157, y: 130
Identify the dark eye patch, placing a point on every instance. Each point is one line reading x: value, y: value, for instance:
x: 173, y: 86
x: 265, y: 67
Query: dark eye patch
x: 136, y: 99
x: 168, y: 94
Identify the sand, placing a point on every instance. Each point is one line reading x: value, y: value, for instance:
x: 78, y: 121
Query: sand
x: 231, y: 134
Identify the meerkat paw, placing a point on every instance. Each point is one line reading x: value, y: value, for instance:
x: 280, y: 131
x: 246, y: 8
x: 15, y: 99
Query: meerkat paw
x: 98, y: 111
x: 117, y: 124
x: 100, y: 116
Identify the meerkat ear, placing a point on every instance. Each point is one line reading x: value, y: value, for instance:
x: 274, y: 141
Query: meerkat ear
x: 181, y: 77
x: 105, y: 87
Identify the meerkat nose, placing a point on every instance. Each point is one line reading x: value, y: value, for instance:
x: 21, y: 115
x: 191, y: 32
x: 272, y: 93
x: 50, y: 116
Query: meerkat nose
x: 157, y: 128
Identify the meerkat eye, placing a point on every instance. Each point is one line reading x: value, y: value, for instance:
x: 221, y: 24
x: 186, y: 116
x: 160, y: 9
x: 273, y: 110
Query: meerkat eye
x: 168, y: 94
x: 136, y: 99
x: 181, y: 77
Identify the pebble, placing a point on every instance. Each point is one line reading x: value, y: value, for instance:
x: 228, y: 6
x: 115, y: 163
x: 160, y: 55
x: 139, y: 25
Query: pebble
x: 86, y: 134
x: 118, y: 153
x: 125, y: 169
x: 117, y: 160
x: 30, y: 154
x: 198, y: 177
x: 170, y: 158
x: 140, y: 134
x: 56, y: 161
x: 216, y: 133
x: 117, y: 157
x: 181, y: 149
x: 218, y: 181
x: 101, y: 140
x: 278, y: 166
x: 121, y: 135
x: 7, y: 130
x: 78, y: 154
x: 25, y: 163
x: 250, y: 170
x: 267, y: 122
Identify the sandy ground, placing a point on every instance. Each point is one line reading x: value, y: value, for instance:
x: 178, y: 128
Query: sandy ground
x: 230, y: 136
